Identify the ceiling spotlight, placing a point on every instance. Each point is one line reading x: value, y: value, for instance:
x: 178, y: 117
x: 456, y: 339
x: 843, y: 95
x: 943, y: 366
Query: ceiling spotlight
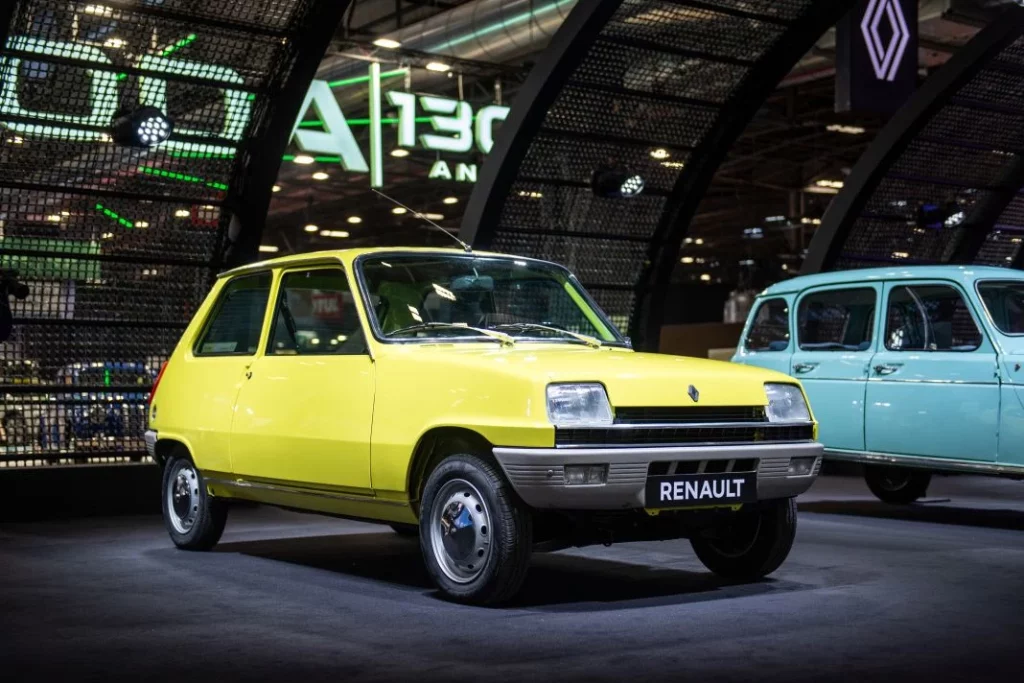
x: 276, y: 188
x: 354, y: 220
x: 269, y: 248
x: 320, y: 175
x: 434, y: 216
x: 398, y: 210
x: 141, y: 224
x: 182, y: 213
x: 616, y: 182
x: 387, y: 43
x: 686, y: 259
x: 143, y: 127
x: 311, y: 228
x: 659, y: 153
x: 705, y: 277
x: 333, y: 233
x: 399, y: 152
x: 303, y: 159
x: 440, y: 67
x: 451, y: 200
x: 107, y: 235
x: 845, y: 130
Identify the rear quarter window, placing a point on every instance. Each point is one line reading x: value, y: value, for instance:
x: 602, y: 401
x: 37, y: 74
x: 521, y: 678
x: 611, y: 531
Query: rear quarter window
x: 236, y: 323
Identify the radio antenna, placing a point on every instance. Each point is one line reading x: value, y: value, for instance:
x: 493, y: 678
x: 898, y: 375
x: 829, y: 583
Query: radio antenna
x: 423, y: 218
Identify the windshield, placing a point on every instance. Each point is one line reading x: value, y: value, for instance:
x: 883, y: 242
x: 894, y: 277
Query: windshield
x: 1005, y: 304
x: 473, y: 297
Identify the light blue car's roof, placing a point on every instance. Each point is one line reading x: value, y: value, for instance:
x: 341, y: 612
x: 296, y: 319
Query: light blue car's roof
x: 966, y: 274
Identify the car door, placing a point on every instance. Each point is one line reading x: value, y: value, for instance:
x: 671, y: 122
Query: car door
x: 933, y: 389
x: 834, y: 344
x: 213, y: 370
x: 766, y: 339
x: 304, y: 412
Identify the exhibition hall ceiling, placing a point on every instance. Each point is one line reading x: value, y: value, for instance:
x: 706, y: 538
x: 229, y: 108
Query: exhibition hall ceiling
x: 775, y: 184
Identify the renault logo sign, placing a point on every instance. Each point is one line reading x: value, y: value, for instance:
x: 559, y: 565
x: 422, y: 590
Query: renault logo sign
x: 886, y: 55
x: 694, y: 394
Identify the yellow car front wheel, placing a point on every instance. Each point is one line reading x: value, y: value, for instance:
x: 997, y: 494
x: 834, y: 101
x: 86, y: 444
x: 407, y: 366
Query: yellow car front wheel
x: 475, y: 533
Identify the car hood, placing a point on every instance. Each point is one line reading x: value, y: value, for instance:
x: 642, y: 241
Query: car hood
x: 631, y: 378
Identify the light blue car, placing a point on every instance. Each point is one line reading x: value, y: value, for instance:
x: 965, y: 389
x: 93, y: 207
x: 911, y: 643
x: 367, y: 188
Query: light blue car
x: 909, y: 370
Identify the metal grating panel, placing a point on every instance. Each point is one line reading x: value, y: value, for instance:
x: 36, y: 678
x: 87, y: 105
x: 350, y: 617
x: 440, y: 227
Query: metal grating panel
x: 941, y: 184
x: 659, y: 87
x: 119, y: 245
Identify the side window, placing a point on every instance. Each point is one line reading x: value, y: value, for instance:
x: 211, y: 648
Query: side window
x: 836, y: 320
x: 770, y: 329
x: 236, y: 322
x: 316, y: 314
x: 929, y: 318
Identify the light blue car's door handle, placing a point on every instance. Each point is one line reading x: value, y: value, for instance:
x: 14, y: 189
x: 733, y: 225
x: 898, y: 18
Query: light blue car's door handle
x: 802, y: 368
x: 887, y: 368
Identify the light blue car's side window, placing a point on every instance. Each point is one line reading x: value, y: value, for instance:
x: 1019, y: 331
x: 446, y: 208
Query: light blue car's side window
x: 837, y: 320
x: 769, y: 330
x: 929, y: 318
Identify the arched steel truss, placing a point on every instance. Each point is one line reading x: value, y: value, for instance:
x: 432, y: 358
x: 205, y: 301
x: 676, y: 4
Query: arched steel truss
x: 621, y: 79
x: 118, y: 244
x: 942, y: 181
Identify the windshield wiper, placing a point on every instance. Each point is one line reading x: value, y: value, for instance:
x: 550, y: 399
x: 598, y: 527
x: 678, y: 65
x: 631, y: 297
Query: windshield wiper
x: 506, y: 340
x: 586, y: 339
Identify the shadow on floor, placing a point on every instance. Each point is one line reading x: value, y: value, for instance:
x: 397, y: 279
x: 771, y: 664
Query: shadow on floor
x: 556, y: 581
x: 936, y: 513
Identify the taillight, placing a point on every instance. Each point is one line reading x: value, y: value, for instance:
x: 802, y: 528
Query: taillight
x: 156, y: 383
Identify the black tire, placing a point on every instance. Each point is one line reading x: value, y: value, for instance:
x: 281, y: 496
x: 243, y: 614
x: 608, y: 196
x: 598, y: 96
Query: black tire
x: 208, y: 513
x: 897, y: 485
x: 405, y: 530
x: 502, y: 524
x: 753, y: 544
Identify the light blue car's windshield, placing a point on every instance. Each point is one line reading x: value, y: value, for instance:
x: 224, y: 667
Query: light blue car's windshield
x: 1004, y: 302
x: 444, y: 295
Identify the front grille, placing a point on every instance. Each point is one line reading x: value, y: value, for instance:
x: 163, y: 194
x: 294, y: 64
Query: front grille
x: 689, y: 415
x: 682, y: 435
x: 703, y: 466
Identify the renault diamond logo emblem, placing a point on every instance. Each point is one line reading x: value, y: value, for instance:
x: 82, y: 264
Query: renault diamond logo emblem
x: 694, y: 394
x: 886, y: 54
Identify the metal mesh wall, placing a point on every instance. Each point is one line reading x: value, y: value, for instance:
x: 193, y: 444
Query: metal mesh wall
x: 645, y: 84
x: 942, y: 182
x: 118, y: 245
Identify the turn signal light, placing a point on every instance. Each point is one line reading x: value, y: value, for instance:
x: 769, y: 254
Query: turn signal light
x: 580, y: 475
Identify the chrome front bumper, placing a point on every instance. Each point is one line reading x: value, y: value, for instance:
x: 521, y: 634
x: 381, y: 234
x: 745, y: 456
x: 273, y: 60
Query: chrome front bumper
x: 538, y: 474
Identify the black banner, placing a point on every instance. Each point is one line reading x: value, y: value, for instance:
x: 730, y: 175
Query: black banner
x: 876, y: 56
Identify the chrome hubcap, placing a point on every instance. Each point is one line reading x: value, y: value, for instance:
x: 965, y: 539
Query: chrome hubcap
x: 460, y: 531
x: 183, y: 499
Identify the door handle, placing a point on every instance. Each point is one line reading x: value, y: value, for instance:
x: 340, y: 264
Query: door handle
x: 801, y: 368
x: 887, y: 368
x: 248, y: 374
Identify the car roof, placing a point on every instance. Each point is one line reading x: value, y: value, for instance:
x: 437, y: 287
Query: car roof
x: 347, y: 255
x: 965, y: 274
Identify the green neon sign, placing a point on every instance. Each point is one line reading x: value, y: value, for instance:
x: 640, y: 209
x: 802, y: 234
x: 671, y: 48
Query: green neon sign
x: 454, y: 127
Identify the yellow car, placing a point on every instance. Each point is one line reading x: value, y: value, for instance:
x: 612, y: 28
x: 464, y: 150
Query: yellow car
x: 481, y: 401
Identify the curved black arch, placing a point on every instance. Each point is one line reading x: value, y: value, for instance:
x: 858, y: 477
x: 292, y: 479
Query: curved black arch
x: 955, y: 142
x: 619, y: 79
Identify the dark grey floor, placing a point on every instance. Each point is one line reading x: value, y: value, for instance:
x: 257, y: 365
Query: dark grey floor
x: 932, y: 592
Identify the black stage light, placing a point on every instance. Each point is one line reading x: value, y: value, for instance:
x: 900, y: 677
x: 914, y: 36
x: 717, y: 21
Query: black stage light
x: 143, y: 127
x: 614, y: 182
